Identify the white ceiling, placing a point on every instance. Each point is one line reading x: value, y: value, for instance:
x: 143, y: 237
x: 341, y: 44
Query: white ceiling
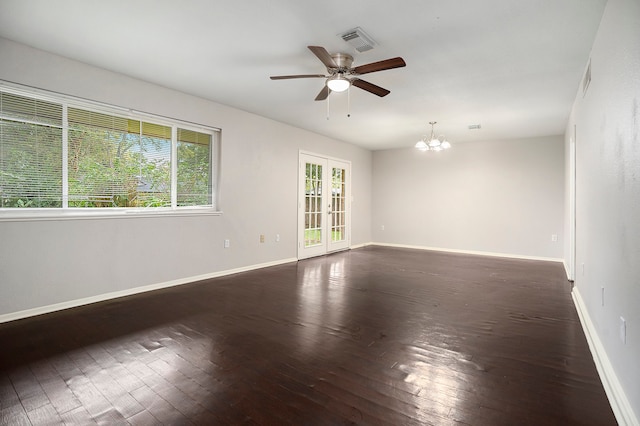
x: 512, y: 66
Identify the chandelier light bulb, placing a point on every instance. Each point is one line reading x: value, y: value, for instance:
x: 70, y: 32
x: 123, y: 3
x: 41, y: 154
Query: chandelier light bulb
x: 422, y: 145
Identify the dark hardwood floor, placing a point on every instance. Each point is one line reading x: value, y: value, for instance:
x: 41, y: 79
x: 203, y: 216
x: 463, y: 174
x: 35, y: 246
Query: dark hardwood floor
x: 377, y: 336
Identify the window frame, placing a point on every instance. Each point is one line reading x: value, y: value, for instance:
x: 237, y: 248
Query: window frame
x: 66, y: 212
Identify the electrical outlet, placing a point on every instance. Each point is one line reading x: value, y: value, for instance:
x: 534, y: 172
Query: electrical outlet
x: 554, y: 238
x: 623, y: 330
x: 227, y: 243
x: 262, y: 238
x: 277, y: 238
x: 382, y: 227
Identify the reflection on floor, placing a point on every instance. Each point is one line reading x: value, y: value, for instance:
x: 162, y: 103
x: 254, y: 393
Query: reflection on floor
x: 380, y: 336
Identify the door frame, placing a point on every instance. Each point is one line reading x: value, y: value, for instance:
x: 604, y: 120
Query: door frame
x: 328, y: 246
x: 572, y: 203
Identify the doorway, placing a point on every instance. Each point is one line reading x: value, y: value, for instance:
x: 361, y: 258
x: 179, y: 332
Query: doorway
x: 324, y: 205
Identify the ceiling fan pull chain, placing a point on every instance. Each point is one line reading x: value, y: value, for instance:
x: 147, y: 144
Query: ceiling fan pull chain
x: 349, y: 102
x: 328, y: 97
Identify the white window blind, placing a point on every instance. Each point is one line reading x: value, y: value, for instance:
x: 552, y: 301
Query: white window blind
x: 118, y: 162
x: 30, y: 152
x: 112, y: 159
x: 194, y: 177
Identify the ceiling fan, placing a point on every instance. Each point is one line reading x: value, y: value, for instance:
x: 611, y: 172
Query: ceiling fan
x: 341, y: 75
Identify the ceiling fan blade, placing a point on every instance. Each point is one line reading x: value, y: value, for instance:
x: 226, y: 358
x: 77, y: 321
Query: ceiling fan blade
x: 370, y: 87
x: 324, y: 56
x: 387, y: 64
x: 323, y: 93
x: 286, y: 77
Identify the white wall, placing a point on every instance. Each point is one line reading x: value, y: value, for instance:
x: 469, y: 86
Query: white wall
x: 50, y: 262
x: 607, y: 121
x: 497, y: 197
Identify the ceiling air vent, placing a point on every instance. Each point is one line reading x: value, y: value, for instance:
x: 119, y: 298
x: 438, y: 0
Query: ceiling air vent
x: 358, y: 39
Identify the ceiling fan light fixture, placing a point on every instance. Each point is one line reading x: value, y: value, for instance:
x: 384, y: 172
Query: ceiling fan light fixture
x: 338, y: 83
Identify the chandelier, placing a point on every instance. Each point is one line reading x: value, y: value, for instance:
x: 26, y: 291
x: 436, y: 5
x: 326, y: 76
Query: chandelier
x: 432, y: 143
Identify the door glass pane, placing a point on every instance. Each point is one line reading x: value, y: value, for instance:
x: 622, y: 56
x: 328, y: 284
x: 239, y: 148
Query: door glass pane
x: 338, y: 217
x: 313, y: 206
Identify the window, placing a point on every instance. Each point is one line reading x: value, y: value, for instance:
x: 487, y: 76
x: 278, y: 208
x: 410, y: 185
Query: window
x: 194, y: 176
x: 30, y: 152
x: 65, y: 155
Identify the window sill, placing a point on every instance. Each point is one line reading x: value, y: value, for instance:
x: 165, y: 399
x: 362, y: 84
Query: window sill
x: 23, y: 215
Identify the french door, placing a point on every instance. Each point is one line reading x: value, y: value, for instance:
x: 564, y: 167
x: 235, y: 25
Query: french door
x: 324, y: 205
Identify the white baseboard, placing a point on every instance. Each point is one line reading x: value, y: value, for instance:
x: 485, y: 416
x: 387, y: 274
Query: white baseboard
x: 617, y: 397
x: 357, y: 246
x: 113, y: 295
x: 480, y: 253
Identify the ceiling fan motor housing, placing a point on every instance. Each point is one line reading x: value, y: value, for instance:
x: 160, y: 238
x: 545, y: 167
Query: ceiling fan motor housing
x: 343, y: 61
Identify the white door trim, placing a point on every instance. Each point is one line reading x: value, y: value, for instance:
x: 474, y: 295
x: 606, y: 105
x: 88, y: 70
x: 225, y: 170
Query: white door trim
x: 325, y: 213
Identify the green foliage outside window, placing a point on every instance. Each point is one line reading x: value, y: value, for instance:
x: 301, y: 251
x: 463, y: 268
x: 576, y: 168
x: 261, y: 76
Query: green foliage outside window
x: 31, y: 171
x: 111, y: 161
